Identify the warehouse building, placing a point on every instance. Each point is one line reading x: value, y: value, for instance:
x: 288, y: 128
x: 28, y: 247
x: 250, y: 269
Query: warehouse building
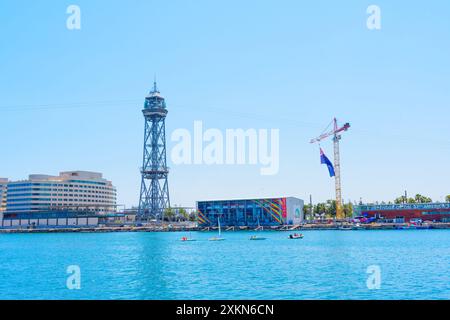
x: 41, y: 199
x: 250, y: 212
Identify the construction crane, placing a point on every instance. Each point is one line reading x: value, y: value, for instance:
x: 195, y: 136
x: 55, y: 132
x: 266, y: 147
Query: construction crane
x: 336, y: 133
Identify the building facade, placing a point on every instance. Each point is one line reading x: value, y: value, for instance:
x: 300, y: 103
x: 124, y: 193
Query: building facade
x: 68, y: 195
x: 250, y: 212
x: 3, y: 188
x: 405, y: 212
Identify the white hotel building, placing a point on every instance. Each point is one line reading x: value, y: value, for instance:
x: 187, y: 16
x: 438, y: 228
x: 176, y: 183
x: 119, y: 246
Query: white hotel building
x: 71, y: 190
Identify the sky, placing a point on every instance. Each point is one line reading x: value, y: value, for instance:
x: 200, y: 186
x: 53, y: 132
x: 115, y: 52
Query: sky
x: 72, y: 99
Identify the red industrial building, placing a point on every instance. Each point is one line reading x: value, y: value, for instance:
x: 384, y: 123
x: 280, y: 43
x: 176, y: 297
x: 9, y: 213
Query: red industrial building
x: 439, y: 212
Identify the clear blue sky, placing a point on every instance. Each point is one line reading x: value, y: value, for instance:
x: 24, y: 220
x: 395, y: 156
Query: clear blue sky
x: 71, y: 100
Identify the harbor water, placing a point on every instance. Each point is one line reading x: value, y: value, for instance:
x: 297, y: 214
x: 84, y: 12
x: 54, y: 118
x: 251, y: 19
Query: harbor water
x: 412, y: 264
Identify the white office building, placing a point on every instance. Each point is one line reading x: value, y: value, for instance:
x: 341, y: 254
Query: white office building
x: 73, y: 198
x: 71, y: 190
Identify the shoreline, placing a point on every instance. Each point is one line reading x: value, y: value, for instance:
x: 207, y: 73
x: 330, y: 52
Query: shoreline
x: 339, y: 227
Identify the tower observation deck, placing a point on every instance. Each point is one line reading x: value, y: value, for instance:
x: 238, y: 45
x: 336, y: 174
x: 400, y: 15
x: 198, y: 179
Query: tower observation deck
x: 154, y: 195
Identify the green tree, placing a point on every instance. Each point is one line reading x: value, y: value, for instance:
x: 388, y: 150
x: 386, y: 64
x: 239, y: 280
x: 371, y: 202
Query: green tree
x: 193, y: 216
x: 411, y: 200
x: 348, y: 209
x: 307, y: 211
x: 447, y: 198
x: 331, y: 208
x: 417, y: 199
x: 422, y: 199
x: 320, y: 208
x: 400, y: 200
x: 169, y: 214
x: 183, y: 213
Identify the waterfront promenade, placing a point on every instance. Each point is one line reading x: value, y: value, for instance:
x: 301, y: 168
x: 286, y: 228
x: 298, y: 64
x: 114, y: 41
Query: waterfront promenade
x: 181, y: 228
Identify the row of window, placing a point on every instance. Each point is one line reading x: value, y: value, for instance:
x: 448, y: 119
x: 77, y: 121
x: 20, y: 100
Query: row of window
x: 60, y: 188
x: 97, y: 210
x: 218, y: 207
x: 90, y: 182
x: 49, y: 184
x: 30, y: 185
x: 14, y: 192
x: 90, y: 195
x: 27, y: 199
x: 26, y: 205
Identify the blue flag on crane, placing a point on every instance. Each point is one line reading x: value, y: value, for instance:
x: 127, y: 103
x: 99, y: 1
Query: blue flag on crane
x: 325, y: 160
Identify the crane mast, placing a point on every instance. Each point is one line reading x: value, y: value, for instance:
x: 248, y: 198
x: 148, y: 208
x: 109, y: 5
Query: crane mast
x: 335, y: 133
x: 337, y: 174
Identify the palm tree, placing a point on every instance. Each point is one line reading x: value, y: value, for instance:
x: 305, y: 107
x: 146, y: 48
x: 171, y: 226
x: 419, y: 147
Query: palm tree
x: 348, y: 209
x: 422, y: 199
x: 169, y: 214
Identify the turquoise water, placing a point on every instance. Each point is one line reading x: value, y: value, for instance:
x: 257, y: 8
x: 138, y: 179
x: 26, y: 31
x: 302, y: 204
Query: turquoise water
x: 414, y: 264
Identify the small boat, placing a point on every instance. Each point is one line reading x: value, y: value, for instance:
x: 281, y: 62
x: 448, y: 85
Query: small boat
x: 257, y: 238
x: 184, y: 239
x: 217, y: 238
x: 296, y: 236
x: 405, y: 227
x: 357, y: 227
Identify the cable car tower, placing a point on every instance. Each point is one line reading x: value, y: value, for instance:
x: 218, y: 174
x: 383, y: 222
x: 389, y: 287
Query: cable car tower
x: 154, y: 195
x: 336, y: 134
